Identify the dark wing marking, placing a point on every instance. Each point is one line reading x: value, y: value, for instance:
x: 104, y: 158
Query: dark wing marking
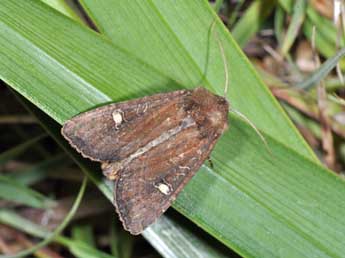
x: 148, y: 185
x: 95, y: 134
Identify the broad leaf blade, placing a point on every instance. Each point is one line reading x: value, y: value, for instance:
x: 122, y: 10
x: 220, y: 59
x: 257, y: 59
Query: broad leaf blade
x: 169, y: 238
x: 280, y: 205
x: 160, y: 34
x: 56, y: 71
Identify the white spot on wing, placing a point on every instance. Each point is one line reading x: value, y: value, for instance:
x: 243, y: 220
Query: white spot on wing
x: 163, y: 188
x: 117, y: 117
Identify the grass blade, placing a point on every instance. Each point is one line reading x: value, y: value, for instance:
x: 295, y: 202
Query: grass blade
x: 321, y: 72
x: 298, y: 15
x: 169, y: 238
x: 252, y: 20
x: 10, y: 190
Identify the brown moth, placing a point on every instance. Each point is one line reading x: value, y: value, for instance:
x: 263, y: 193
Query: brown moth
x: 150, y: 147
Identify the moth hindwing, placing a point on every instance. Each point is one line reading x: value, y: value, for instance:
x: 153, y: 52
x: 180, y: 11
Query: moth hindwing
x: 151, y: 147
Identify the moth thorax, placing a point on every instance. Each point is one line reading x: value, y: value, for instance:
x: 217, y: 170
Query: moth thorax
x: 110, y: 169
x: 216, y: 117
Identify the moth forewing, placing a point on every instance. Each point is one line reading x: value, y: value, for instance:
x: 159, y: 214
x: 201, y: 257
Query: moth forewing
x: 98, y: 135
x: 151, y: 147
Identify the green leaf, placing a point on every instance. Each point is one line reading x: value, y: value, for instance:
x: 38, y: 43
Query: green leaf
x: 252, y: 20
x: 12, y: 191
x: 84, y: 234
x: 235, y: 12
x: 324, y: 26
x: 181, y: 240
x: 297, y: 18
x: 262, y: 205
x: 279, y: 24
x: 63, y: 7
x: 321, y: 72
x: 286, y: 4
x: 121, y: 242
x: 279, y: 204
x: 12, y: 219
x: 40, y: 170
x: 326, y: 32
x: 217, y: 5
x: 83, y: 250
x: 77, y: 248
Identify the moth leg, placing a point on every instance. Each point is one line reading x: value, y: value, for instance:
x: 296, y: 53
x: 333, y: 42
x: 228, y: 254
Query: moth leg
x: 123, y: 116
x: 144, y: 109
x: 210, y: 162
x: 183, y: 170
x: 138, y: 109
x: 184, y: 167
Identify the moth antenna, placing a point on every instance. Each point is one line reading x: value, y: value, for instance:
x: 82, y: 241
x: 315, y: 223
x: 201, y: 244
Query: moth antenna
x: 246, y: 119
x: 225, y: 62
x: 226, y: 86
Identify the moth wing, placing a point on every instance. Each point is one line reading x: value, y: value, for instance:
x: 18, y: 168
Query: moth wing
x: 148, y: 185
x: 99, y: 133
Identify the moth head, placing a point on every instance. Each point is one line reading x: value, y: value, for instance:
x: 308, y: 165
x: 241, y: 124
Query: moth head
x: 212, y: 110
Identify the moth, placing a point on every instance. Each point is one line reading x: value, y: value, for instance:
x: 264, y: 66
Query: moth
x: 150, y: 147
